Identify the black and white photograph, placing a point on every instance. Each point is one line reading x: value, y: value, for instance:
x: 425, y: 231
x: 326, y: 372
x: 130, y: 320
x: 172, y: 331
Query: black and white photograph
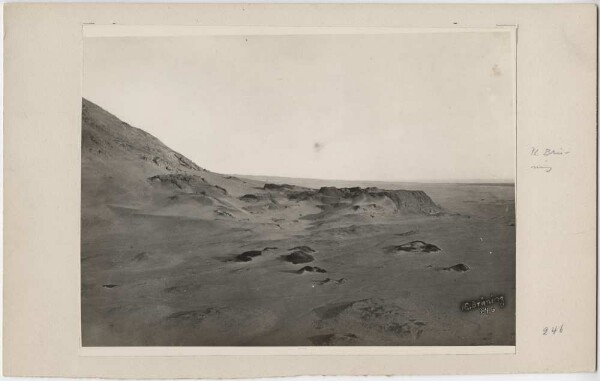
x: 298, y: 187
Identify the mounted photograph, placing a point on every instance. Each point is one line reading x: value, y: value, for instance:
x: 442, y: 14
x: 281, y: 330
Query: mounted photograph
x: 298, y: 187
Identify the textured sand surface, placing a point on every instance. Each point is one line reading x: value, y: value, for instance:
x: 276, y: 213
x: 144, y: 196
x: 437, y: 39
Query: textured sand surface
x: 173, y: 254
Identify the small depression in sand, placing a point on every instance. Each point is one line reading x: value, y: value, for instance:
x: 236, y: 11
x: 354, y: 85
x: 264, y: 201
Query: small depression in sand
x: 299, y: 254
x: 415, y: 247
x: 461, y: 268
x: 143, y: 256
x: 247, y: 256
x: 331, y: 281
x: 311, y: 269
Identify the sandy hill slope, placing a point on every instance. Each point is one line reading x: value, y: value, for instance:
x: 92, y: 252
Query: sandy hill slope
x: 123, y: 166
x: 123, y: 163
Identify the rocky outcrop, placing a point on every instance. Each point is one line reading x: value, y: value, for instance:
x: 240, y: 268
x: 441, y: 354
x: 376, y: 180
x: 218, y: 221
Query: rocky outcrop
x: 369, y: 198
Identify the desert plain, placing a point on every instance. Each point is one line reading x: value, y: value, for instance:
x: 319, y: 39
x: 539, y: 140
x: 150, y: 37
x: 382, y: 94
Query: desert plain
x: 173, y: 254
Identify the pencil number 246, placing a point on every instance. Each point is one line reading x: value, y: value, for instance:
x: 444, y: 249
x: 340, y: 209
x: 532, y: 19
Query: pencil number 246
x: 554, y: 330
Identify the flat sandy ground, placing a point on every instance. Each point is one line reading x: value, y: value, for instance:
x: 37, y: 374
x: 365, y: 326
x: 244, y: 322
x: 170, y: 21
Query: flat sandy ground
x: 168, y: 278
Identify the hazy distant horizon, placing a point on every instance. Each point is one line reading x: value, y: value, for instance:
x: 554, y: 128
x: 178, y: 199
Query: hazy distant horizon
x: 277, y: 179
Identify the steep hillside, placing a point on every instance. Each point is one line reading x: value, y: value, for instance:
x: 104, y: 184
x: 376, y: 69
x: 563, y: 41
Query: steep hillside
x: 104, y: 135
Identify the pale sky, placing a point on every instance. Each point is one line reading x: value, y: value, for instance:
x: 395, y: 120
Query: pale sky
x: 389, y: 107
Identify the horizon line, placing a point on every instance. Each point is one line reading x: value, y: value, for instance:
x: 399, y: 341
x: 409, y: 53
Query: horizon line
x: 442, y: 181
